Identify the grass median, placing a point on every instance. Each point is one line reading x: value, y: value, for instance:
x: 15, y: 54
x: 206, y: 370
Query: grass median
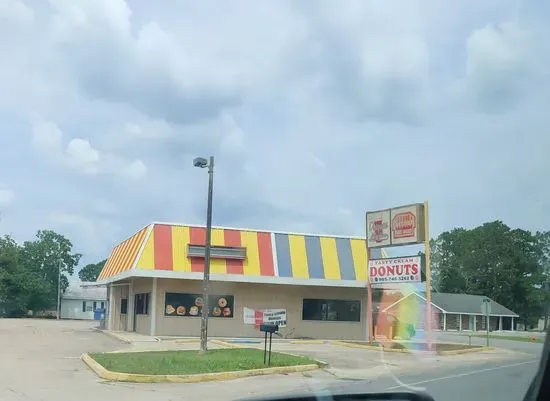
x: 418, y: 346
x: 523, y: 338
x: 192, y: 362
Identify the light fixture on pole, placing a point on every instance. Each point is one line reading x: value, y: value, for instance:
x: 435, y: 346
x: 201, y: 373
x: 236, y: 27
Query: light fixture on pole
x: 201, y: 162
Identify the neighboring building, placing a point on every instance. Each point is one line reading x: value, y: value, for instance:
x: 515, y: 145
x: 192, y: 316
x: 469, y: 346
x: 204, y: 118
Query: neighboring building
x: 80, y: 302
x: 154, y: 282
x: 453, y: 312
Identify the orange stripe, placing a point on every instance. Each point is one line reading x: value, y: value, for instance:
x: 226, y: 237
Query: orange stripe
x: 116, y: 260
x: 112, y: 260
x: 129, y: 253
x: 107, y: 266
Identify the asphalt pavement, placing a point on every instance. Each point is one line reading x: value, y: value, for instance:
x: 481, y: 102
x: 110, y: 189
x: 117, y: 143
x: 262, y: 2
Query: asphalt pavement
x: 492, y: 381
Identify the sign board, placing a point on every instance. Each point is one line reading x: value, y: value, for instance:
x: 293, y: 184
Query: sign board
x: 395, y: 270
x: 264, y: 316
x: 486, y: 304
x: 402, y: 225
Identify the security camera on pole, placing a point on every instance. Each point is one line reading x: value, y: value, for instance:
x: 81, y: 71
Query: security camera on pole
x: 403, y: 225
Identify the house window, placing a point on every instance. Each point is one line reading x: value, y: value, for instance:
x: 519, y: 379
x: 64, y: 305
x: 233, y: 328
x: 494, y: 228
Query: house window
x: 102, y: 305
x: 95, y: 305
x: 217, y: 252
x: 334, y: 310
x: 142, y: 304
x: 83, y: 306
x: 123, y: 306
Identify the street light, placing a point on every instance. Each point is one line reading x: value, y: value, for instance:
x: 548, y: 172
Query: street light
x: 201, y: 162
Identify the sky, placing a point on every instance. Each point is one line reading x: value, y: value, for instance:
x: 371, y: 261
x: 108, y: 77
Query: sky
x: 316, y: 111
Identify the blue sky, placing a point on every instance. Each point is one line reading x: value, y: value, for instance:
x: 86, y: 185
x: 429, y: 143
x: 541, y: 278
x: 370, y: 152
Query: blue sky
x: 316, y: 111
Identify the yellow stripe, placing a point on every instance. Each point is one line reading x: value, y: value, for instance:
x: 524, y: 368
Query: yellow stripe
x: 218, y: 266
x: 147, y: 258
x: 251, y: 265
x: 331, y: 265
x: 180, y: 240
x: 359, y: 252
x: 298, y: 256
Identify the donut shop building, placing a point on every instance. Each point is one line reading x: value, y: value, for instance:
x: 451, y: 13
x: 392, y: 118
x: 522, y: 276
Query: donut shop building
x: 317, y: 283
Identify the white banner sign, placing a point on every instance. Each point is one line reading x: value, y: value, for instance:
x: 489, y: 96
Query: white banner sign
x: 266, y: 316
x: 395, y: 270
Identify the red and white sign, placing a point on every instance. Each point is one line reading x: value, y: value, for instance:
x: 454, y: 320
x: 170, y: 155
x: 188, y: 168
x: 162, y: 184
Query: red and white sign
x: 268, y: 316
x: 398, y: 226
x: 395, y: 270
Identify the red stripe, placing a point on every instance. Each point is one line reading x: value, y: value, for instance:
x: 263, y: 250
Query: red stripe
x: 233, y: 238
x: 197, y: 236
x: 163, y: 247
x: 266, y: 255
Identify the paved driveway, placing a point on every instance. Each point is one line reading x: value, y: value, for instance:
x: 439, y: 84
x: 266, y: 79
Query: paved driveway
x: 40, y: 361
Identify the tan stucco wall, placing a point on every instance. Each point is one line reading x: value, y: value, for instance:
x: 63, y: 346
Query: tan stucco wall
x: 255, y: 296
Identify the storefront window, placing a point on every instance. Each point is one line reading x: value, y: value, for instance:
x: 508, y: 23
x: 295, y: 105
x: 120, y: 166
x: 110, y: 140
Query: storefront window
x: 180, y: 304
x: 142, y: 304
x: 331, y: 310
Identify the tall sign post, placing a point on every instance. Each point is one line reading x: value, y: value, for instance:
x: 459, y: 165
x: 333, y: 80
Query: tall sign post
x: 428, y: 276
x: 486, y: 311
x: 403, y: 225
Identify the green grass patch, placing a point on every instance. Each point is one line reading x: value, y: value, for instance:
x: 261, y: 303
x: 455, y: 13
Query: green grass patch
x: 192, y: 362
x: 418, y: 346
x: 526, y: 339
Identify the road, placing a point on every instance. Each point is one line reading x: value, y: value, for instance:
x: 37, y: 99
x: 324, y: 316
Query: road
x: 488, y: 382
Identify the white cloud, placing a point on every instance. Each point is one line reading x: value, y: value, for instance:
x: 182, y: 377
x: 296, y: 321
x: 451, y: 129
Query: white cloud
x: 315, y: 112
x: 7, y: 197
x: 80, y: 156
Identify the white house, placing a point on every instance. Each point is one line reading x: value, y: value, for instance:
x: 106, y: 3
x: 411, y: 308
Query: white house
x: 80, y: 301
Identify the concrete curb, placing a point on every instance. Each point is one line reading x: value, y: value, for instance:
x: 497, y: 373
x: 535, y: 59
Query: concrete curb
x: 115, y: 335
x: 406, y: 351
x: 139, y: 378
x: 306, y: 341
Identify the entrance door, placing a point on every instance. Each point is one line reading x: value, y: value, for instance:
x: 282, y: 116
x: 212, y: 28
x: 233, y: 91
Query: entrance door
x: 471, y: 323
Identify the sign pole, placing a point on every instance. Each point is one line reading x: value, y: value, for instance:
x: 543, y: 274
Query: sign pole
x: 428, y: 275
x: 370, y: 323
x: 487, y: 320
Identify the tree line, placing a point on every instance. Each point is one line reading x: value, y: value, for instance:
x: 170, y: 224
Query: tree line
x: 510, y: 266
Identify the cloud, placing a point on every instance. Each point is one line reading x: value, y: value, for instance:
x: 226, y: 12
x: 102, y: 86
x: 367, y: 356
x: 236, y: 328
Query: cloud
x: 80, y: 156
x: 7, y: 197
x: 315, y: 112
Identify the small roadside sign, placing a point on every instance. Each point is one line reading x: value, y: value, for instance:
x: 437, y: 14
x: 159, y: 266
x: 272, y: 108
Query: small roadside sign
x: 486, y: 306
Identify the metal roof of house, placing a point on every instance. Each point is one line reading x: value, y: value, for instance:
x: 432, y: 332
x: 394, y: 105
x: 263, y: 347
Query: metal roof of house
x: 86, y: 293
x: 461, y: 303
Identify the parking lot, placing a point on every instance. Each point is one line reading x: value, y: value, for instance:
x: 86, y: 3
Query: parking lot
x: 41, y: 361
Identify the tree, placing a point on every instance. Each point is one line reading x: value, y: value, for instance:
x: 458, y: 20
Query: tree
x: 43, y: 258
x: 493, y: 260
x: 18, y: 288
x: 91, y: 271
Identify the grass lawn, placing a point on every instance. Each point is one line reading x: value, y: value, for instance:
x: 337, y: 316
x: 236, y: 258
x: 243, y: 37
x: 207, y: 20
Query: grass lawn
x: 420, y: 346
x: 527, y: 339
x: 191, y: 362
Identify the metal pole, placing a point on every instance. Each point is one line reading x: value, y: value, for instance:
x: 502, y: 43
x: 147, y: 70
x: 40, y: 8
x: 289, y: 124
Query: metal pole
x: 206, y: 277
x: 58, y: 315
x: 370, y: 323
x: 487, y: 319
x: 270, y: 340
x: 428, y: 275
